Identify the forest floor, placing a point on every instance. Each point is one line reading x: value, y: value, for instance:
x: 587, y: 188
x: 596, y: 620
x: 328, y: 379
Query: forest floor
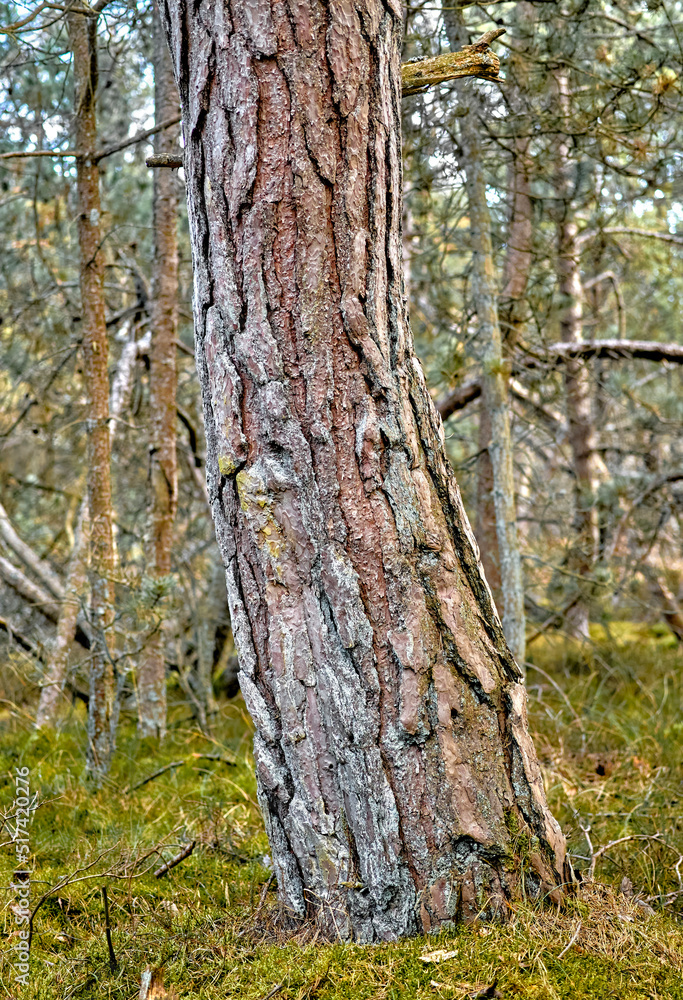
x: 609, y: 730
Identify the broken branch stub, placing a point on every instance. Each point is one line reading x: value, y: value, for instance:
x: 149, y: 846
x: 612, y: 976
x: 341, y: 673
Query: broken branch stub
x: 472, y: 60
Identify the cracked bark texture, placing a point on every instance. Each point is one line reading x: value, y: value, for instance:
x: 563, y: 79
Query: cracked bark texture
x: 395, y: 770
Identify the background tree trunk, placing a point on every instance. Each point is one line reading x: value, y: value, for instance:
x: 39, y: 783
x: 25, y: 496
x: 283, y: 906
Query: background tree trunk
x: 58, y: 662
x: 163, y: 472
x: 101, y: 712
x: 496, y: 482
x: 584, y: 547
x: 395, y: 769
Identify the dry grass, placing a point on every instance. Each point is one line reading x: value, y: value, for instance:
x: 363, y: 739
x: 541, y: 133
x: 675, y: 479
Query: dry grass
x: 607, y: 724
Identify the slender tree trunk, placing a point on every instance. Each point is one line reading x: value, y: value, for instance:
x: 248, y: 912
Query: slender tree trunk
x: 496, y: 472
x: 485, y: 523
x: 163, y: 378
x: 101, y: 714
x: 517, y: 267
x: 58, y: 662
x: 213, y: 613
x: 394, y: 765
x: 581, y: 435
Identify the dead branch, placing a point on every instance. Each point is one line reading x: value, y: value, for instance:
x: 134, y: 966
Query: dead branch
x: 157, y: 774
x: 164, y: 160
x: 476, y: 59
x: 98, y: 154
x: 619, y: 350
x: 648, y: 234
x: 185, y: 853
x: 458, y: 398
x: 31, y: 559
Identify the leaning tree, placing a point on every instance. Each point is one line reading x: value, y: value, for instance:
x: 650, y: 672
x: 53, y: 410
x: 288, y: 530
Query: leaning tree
x: 398, y: 781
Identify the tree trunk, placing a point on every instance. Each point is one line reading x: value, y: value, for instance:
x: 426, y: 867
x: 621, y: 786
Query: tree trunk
x: 485, y: 523
x: 581, y: 435
x: 151, y: 693
x: 512, y: 308
x: 101, y: 713
x: 58, y: 662
x: 394, y: 765
x: 495, y: 440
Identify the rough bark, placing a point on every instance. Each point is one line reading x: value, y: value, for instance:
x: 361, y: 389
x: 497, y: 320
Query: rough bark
x: 394, y: 765
x: 101, y: 716
x: 584, y: 546
x: 496, y: 509
x: 163, y: 463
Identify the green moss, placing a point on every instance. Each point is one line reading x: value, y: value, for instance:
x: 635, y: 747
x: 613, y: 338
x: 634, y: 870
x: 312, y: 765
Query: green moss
x: 199, y: 921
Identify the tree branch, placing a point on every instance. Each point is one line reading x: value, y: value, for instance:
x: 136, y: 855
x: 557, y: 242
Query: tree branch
x: 99, y: 154
x: 476, y: 59
x: 458, y: 398
x: 31, y: 559
x: 614, y: 350
x: 649, y: 234
x: 619, y: 350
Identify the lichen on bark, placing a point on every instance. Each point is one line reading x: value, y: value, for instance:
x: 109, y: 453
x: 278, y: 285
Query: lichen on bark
x: 391, y: 743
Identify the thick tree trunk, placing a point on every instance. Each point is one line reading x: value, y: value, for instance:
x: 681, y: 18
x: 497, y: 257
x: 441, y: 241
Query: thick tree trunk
x: 101, y: 714
x: 496, y: 486
x: 395, y: 769
x: 584, y: 547
x: 163, y: 471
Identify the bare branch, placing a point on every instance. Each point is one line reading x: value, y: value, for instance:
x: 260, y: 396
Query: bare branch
x: 185, y: 853
x: 99, y: 154
x: 618, y: 350
x: 648, y: 234
x: 458, y: 398
x: 31, y: 559
x: 476, y: 59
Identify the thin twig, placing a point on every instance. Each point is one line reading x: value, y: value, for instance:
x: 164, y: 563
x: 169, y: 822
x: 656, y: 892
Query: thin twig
x: 571, y: 942
x: 263, y: 898
x: 185, y: 853
x: 107, y: 930
x: 622, y: 840
x: 275, y: 989
x: 157, y: 774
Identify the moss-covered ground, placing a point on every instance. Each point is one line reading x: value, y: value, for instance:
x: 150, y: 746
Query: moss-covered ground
x: 608, y: 724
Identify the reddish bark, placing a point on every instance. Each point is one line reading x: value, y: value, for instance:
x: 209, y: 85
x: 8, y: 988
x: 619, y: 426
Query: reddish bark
x: 101, y: 715
x: 394, y: 765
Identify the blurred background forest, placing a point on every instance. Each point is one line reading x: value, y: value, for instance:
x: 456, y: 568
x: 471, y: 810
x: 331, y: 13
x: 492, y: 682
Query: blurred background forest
x: 578, y: 153
x: 543, y: 248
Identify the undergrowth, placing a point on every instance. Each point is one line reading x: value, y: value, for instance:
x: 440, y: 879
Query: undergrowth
x: 608, y: 727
